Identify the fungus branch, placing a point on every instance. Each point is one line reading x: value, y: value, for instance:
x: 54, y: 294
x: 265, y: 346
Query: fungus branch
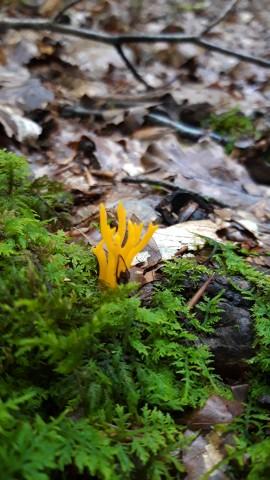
x: 122, y: 245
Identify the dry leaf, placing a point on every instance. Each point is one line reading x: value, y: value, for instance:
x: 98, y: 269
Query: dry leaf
x: 202, y: 455
x: 24, y: 130
x: 169, y: 240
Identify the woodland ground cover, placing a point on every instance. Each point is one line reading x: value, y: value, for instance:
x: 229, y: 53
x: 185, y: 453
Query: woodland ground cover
x: 95, y: 384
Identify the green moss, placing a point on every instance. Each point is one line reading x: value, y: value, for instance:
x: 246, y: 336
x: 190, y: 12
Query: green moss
x: 232, y: 123
x: 91, y: 380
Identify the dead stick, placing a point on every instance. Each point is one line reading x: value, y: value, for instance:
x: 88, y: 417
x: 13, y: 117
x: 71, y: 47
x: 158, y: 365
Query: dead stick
x: 155, y: 182
x: 173, y: 188
x: 194, y: 300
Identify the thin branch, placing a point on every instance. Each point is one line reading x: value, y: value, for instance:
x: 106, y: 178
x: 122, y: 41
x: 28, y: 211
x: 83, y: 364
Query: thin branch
x: 67, y: 5
x: 155, y: 182
x: 115, y: 40
x: 226, y: 51
x: 129, y: 65
x: 227, y: 10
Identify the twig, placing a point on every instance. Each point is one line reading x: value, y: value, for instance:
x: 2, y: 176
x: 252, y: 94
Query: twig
x: 129, y: 65
x: 153, y: 181
x: 196, y: 297
x: 66, y: 6
x: 228, y: 9
x: 226, y: 51
x: 171, y: 187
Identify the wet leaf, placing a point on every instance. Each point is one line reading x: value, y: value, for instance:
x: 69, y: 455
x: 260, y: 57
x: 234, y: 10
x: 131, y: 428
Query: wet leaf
x: 216, y: 410
x: 23, y: 129
x: 171, y: 239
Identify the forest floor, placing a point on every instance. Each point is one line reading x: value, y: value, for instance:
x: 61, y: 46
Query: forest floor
x: 178, y: 131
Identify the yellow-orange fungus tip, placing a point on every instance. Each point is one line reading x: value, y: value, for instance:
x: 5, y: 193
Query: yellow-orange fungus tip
x: 121, y: 245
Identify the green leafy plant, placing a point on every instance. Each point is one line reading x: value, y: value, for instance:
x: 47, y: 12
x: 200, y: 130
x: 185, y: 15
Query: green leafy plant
x: 92, y: 380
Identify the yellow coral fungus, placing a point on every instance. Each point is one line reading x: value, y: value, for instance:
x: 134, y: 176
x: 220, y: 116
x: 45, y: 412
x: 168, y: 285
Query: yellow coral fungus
x: 120, y: 252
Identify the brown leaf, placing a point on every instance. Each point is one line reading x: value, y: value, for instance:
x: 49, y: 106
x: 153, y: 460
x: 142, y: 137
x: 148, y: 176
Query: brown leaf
x: 216, y: 410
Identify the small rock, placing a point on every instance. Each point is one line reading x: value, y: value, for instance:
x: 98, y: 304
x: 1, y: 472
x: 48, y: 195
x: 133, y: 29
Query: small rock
x: 232, y: 341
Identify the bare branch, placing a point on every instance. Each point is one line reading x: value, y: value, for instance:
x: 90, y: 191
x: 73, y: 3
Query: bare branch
x: 118, y: 40
x: 228, y: 9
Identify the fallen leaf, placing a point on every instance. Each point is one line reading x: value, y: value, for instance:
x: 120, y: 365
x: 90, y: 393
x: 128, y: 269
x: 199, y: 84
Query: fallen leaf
x: 216, y: 410
x: 26, y: 131
x: 171, y: 239
x: 202, y: 455
x: 29, y: 96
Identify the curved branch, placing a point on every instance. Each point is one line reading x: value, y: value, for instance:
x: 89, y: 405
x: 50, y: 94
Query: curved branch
x: 129, y: 65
